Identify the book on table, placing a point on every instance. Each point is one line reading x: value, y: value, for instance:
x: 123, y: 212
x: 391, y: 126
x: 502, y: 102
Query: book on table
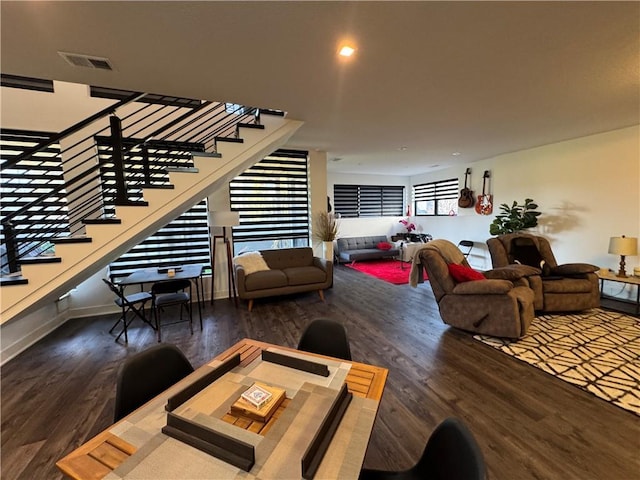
x: 259, y: 402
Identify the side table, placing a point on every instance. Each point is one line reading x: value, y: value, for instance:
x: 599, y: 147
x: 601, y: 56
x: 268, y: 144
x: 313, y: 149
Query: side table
x: 608, y: 275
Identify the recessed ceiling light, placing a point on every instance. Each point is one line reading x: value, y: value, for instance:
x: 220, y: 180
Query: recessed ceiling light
x: 403, y: 149
x: 346, y: 51
x: 455, y: 154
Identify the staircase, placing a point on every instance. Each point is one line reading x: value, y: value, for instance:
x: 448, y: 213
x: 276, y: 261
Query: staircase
x: 77, y: 257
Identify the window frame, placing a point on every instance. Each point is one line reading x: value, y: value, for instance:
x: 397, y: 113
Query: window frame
x: 436, y: 192
x: 367, y: 201
x: 272, y: 200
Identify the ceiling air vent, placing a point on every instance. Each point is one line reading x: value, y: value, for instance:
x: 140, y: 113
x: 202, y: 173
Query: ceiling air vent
x: 88, y: 61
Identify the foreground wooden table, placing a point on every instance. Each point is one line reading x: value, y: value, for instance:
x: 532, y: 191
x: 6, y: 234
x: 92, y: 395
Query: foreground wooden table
x: 105, y: 452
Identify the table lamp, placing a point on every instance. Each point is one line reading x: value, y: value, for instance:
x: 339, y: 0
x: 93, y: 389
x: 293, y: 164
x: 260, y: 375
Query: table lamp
x: 623, y: 246
x: 224, y: 219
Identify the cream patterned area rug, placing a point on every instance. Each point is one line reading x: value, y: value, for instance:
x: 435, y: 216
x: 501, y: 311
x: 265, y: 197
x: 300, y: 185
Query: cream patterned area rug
x: 596, y: 350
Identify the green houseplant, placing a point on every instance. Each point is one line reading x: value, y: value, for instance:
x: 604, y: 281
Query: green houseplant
x: 515, y: 217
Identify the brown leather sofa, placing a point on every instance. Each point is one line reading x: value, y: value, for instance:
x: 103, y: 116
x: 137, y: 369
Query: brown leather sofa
x: 500, y: 305
x: 287, y: 271
x: 557, y: 288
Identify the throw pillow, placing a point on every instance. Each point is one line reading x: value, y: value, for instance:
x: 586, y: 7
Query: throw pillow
x: 460, y: 273
x: 252, y: 262
x: 384, y: 246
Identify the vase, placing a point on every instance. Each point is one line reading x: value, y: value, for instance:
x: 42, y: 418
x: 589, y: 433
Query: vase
x: 327, y: 250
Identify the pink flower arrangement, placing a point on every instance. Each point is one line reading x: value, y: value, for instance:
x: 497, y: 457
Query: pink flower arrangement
x: 408, y: 225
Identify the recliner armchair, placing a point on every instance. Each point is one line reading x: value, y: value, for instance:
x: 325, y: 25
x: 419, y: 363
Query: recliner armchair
x: 500, y: 305
x: 557, y: 288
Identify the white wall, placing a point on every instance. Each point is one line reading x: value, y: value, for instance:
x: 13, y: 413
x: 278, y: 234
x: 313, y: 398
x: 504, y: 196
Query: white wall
x: 586, y: 188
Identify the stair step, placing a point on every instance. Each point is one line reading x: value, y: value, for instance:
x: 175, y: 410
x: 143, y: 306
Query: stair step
x: 102, y: 221
x: 182, y: 169
x: 41, y: 259
x: 79, y: 239
x: 277, y: 113
x: 131, y: 203
x: 17, y: 280
x: 251, y: 125
x: 157, y: 186
x: 206, y: 154
x: 229, y: 139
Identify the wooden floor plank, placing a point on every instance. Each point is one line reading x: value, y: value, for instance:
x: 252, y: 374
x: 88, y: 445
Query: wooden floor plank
x: 60, y: 392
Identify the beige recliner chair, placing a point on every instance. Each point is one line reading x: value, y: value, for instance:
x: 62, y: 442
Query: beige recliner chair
x: 557, y: 288
x: 500, y: 305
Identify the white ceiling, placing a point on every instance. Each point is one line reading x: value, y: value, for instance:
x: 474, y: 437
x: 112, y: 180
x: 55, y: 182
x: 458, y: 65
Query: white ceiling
x: 479, y: 78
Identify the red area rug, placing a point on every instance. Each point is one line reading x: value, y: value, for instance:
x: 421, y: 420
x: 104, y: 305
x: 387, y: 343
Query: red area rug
x: 387, y: 270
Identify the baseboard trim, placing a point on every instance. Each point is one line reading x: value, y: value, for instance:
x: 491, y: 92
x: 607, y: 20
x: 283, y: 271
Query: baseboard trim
x: 32, y: 337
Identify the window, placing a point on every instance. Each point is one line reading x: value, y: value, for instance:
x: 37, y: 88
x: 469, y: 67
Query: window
x: 272, y: 198
x: 353, y: 201
x: 436, y: 198
x: 183, y: 241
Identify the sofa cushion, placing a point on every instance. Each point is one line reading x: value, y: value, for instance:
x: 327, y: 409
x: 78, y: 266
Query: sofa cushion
x: 384, y: 246
x: 367, y: 254
x: 304, y: 275
x: 288, y: 257
x: 567, y: 285
x: 265, y: 280
x: 251, y: 262
x: 460, y: 273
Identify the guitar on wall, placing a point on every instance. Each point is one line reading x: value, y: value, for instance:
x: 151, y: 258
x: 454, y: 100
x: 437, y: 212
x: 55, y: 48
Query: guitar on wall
x: 466, y: 195
x: 484, y: 205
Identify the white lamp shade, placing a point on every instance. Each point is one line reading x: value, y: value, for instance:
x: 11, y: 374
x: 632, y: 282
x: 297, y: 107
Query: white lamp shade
x: 224, y: 218
x: 623, y: 246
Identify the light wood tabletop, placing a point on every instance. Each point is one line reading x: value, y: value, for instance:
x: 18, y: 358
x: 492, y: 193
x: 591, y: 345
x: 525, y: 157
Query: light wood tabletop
x: 105, y: 452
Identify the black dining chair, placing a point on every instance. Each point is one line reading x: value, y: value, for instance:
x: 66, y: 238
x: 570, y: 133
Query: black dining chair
x: 451, y: 453
x: 147, y: 374
x: 465, y: 246
x: 326, y: 337
x: 133, y: 303
x: 169, y: 293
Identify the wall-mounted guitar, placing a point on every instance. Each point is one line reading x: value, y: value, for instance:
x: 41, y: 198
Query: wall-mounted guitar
x: 484, y: 205
x: 466, y: 195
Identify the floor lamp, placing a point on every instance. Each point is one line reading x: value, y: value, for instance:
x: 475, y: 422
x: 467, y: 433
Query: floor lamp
x: 223, y: 219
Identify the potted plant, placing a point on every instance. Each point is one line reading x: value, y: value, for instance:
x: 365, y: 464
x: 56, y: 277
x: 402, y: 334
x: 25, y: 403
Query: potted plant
x: 515, y: 218
x: 325, y: 230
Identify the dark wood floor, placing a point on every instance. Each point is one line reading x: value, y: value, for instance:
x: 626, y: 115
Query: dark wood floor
x: 60, y: 392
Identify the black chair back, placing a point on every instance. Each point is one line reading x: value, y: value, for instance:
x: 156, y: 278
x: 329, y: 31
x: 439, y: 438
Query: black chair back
x: 170, y: 286
x: 326, y: 337
x: 147, y: 374
x: 452, y: 453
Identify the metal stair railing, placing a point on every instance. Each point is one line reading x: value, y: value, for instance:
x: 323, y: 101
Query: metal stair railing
x: 83, y: 166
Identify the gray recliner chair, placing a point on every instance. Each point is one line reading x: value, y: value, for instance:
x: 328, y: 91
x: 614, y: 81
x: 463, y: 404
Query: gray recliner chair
x: 500, y: 305
x: 557, y: 288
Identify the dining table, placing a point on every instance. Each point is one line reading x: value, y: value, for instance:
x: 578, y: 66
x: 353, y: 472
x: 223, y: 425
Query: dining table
x: 151, y: 275
x: 321, y: 430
